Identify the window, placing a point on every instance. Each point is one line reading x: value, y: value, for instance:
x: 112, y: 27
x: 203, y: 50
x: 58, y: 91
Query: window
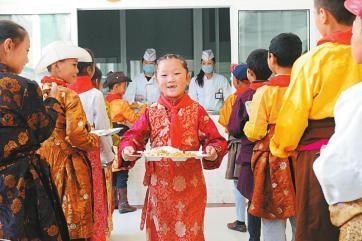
x: 42, y: 29
x: 257, y: 28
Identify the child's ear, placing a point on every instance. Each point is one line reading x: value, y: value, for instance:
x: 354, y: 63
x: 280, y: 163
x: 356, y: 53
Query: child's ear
x: 249, y: 72
x: 188, y: 78
x: 323, y: 15
x: 90, y: 70
x: 272, y: 59
x: 7, y: 45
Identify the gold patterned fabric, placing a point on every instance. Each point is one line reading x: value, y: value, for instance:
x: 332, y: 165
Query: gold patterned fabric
x: 343, y: 212
x: 65, y: 152
x: 110, y: 199
x: 352, y: 230
x: 29, y: 204
x: 176, y: 195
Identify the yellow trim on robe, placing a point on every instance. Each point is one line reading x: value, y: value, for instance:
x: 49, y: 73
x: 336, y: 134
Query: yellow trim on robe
x: 317, y: 80
x: 264, y: 110
x: 226, y: 109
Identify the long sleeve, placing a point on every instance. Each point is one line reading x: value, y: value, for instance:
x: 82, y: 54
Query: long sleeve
x: 77, y: 129
x: 41, y: 116
x: 120, y: 110
x: 209, y: 136
x: 226, y: 109
x: 237, y: 119
x: 339, y: 164
x: 256, y: 128
x: 317, y: 80
x: 294, y: 113
x: 138, y: 135
x: 101, y: 121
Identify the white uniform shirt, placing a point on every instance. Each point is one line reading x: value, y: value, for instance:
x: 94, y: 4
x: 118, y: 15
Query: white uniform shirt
x: 147, y: 89
x: 95, y: 109
x: 339, y: 167
x: 213, y: 94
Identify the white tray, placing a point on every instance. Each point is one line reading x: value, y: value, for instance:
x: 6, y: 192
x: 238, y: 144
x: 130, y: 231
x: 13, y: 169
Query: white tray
x: 196, y: 155
x: 107, y: 132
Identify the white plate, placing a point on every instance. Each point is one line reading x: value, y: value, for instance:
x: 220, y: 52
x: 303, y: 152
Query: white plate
x: 106, y: 132
x: 196, y: 155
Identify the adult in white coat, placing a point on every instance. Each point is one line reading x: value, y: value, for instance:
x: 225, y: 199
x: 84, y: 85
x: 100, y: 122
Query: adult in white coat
x: 208, y: 88
x: 144, y: 87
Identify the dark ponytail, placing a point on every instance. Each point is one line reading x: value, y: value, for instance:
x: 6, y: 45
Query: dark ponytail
x: 97, y: 77
x: 12, y: 30
x: 201, y: 74
x: 200, y: 78
x: 82, y: 66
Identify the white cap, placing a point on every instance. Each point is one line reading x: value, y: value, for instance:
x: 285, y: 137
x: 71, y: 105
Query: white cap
x: 150, y: 55
x: 60, y: 50
x: 207, y: 54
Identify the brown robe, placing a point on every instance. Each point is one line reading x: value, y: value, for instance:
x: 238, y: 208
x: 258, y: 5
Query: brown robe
x: 65, y: 152
x: 313, y: 222
x: 274, y: 193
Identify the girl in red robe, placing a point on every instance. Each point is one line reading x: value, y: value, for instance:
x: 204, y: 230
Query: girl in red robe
x: 176, y: 196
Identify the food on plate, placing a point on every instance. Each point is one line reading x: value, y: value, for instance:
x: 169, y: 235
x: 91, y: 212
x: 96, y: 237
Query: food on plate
x: 168, y: 151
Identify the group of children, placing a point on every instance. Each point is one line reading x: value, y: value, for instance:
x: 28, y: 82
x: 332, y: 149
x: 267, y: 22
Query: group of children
x: 52, y: 186
x: 56, y: 178
x: 283, y: 124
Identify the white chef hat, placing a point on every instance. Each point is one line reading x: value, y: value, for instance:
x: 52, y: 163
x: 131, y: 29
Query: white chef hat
x: 150, y: 55
x: 207, y: 54
x: 60, y: 50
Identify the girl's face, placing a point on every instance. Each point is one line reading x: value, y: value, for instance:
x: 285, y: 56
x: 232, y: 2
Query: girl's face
x: 16, y: 55
x: 356, y: 41
x: 66, y: 70
x: 172, y: 78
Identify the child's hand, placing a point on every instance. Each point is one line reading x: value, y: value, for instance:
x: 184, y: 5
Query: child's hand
x: 139, y: 98
x: 53, y: 90
x: 128, y: 153
x: 211, y: 153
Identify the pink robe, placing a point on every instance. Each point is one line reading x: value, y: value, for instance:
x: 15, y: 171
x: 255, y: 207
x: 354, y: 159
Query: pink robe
x: 176, y: 196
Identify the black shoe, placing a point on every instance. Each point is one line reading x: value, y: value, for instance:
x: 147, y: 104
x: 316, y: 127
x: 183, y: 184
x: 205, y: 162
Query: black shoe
x: 237, y: 226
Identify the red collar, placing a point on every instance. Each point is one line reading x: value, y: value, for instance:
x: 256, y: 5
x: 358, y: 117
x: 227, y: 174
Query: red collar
x: 113, y: 96
x: 338, y: 37
x: 256, y: 85
x: 182, y: 102
x: 82, y: 84
x: 241, y: 90
x: 282, y: 80
x: 51, y: 79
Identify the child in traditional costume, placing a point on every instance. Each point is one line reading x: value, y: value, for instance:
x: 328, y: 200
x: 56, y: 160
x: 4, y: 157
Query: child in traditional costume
x: 339, y: 166
x: 241, y: 83
x: 29, y: 204
x: 306, y: 120
x: 121, y: 115
x: 175, y: 202
x: 257, y: 73
x: 273, y: 199
x: 66, y: 149
x: 95, y: 109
